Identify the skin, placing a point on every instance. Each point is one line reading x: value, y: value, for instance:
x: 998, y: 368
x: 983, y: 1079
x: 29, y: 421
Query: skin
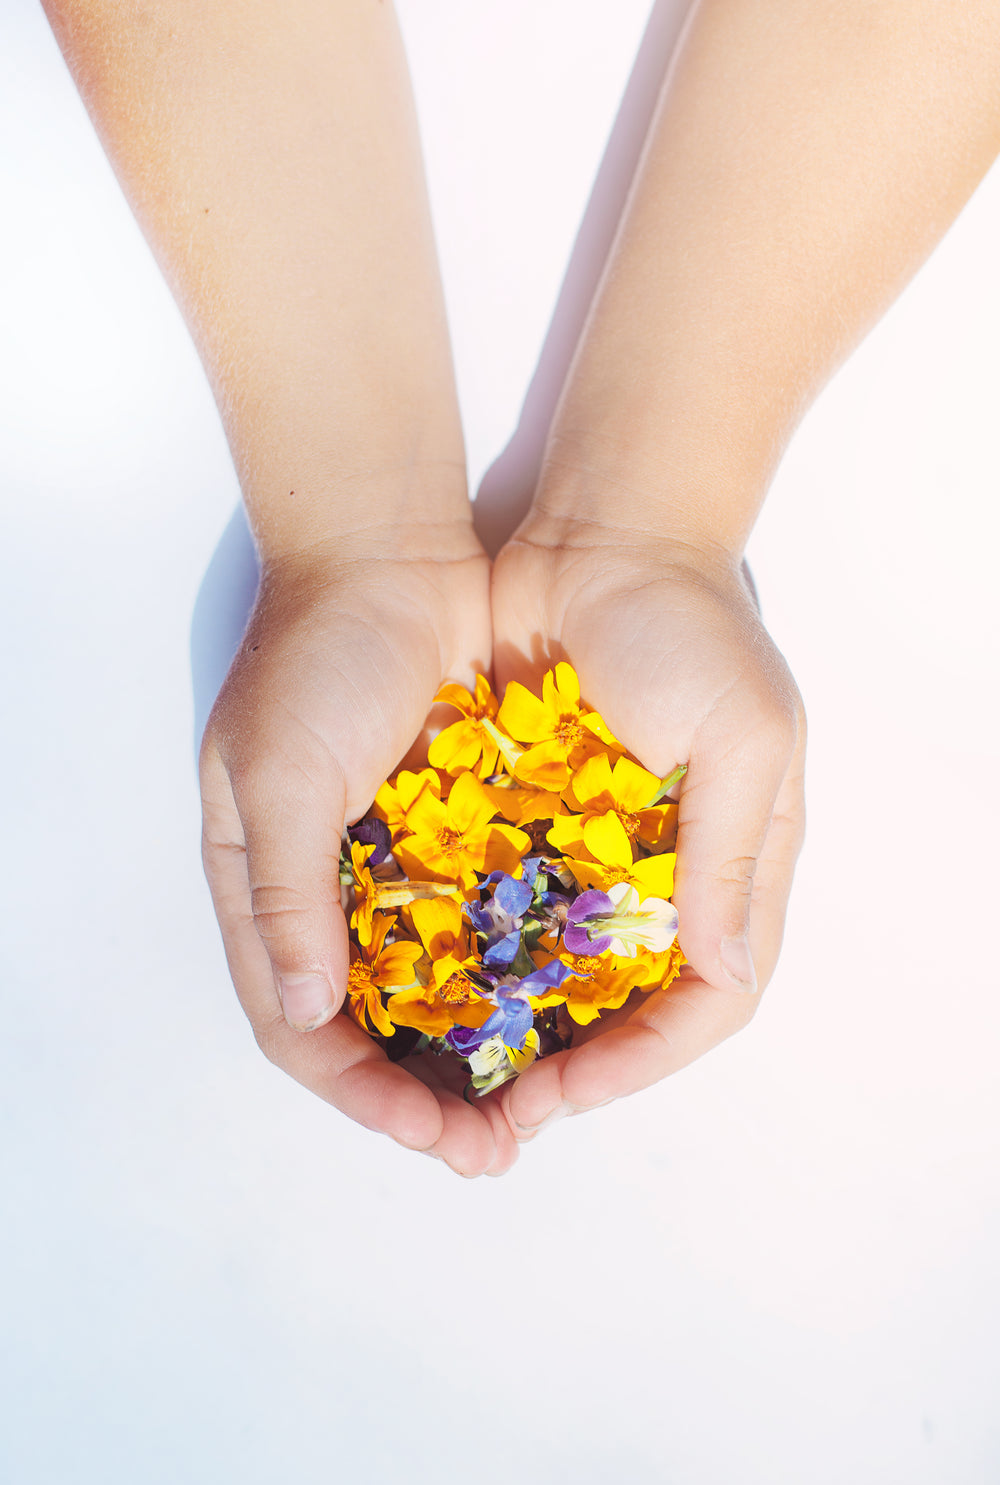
x: 804, y: 160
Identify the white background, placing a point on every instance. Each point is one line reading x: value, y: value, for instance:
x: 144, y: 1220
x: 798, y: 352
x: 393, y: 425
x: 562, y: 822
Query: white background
x: 781, y: 1266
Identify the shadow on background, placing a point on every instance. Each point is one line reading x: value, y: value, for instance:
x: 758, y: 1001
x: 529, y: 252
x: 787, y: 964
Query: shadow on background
x: 509, y: 483
x: 227, y: 591
x: 220, y: 615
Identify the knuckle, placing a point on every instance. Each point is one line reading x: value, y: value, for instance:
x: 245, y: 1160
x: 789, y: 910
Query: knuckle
x: 738, y: 873
x: 269, y: 1036
x: 283, y: 916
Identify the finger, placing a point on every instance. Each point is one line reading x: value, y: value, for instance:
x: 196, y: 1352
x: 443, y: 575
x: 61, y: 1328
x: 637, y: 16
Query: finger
x: 475, y: 1139
x: 730, y: 797
x: 337, y: 1061
x: 657, y: 1034
x: 291, y: 814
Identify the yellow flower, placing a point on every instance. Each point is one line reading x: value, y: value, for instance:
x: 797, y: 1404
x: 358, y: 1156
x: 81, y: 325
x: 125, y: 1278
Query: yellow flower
x: 474, y: 741
x: 599, y: 791
x: 561, y: 735
x: 374, y: 969
x: 371, y: 897
x: 523, y: 806
x: 454, y: 839
x: 395, y: 797
x: 609, y: 845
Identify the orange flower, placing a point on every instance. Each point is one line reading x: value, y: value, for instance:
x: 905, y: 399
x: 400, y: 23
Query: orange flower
x: 560, y: 735
x: 449, y: 997
x: 454, y: 839
x: 371, y: 897
x: 597, y: 982
x: 374, y: 969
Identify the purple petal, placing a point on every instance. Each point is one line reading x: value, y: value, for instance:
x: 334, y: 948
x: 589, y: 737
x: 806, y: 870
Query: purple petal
x: 511, y: 896
x: 577, y: 940
x: 548, y: 978
x: 590, y: 904
x: 466, y: 1039
x: 371, y: 831
x: 518, y: 1017
x: 503, y: 952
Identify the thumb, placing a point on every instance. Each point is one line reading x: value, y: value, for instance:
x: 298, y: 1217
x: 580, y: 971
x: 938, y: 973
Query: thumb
x: 725, y: 814
x: 292, y: 822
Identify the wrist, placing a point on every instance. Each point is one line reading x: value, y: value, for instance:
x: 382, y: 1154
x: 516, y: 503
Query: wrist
x: 591, y: 494
x: 406, y: 511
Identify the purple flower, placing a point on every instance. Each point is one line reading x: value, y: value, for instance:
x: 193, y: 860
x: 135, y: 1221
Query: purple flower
x: 372, y: 831
x: 501, y: 919
x: 588, y: 909
x: 513, y: 1016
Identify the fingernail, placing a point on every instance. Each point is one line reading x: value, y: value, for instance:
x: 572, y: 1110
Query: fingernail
x: 586, y: 1108
x: 306, y: 1000
x: 559, y: 1112
x: 736, y: 960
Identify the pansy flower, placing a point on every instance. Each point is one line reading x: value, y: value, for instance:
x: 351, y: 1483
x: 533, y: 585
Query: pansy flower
x: 514, y: 1014
x: 617, y: 922
x: 501, y: 918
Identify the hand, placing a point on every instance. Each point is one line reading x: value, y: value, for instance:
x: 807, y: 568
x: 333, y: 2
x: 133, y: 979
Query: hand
x: 669, y: 648
x: 331, y: 686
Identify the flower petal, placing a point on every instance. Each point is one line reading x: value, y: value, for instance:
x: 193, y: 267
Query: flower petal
x: 607, y: 840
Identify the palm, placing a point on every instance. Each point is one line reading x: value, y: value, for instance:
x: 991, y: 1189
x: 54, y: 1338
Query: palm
x: 675, y: 659
x: 331, y: 688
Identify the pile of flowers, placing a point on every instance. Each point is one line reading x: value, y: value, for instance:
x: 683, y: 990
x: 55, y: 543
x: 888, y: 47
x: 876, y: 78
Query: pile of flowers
x: 518, y: 885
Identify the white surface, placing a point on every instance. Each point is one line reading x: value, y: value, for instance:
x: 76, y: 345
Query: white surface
x: 778, y: 1267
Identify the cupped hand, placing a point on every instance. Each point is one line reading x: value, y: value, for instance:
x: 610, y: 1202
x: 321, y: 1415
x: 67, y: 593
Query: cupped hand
x: 667, y: 640
x: 330, y: 688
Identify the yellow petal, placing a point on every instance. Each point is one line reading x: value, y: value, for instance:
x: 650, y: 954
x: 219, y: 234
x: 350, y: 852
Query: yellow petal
x: 566, y: 834
x: 395, y: 964
x: 452, y: 694
x: 412, y: 1008
x: 567, y: 681
x: 593, y: 779
x: 438, y: 921
x: 654, y: 876
x: 633, y: 784
x: 522, y: 715
x: 607, y: 840
x: 469, y: 806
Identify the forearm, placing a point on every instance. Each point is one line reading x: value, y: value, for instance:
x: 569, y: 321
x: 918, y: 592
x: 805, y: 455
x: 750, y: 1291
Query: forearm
x: 271, y: 155
x: 804, y: 160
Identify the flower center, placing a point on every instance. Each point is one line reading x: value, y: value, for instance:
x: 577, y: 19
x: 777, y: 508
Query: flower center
x: 568, y: 732
x: 456, y: 990
x: 631, y: 823
x: 615, y: 874
x: 359, y: 978
x: 450, y: 844
x: 586, y: 964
